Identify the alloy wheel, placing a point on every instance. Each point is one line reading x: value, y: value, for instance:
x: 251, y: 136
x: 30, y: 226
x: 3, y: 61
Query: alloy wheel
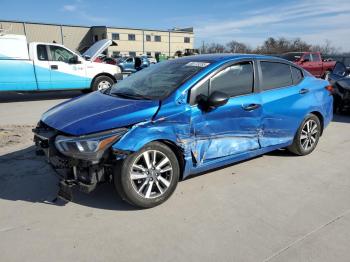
x: 309, y: 133
x: 151, y: 174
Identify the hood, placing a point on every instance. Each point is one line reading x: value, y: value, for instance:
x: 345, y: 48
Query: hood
x: 96, y: 49
x: 344, y: 83
x: 98, y: 112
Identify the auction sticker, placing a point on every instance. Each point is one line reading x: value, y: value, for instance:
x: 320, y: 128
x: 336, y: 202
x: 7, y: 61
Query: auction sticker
x: 197, y: 64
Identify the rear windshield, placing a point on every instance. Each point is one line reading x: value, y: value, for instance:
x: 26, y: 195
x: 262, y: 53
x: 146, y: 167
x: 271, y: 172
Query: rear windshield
x: 292, y: 56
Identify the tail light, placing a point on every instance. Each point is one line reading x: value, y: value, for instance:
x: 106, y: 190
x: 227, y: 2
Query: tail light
x: 330, y: 89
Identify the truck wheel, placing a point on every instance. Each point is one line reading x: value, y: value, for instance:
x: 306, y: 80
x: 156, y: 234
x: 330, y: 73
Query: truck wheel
x: 148, y: 177
x: 102, y: 83
x: 307, y: 136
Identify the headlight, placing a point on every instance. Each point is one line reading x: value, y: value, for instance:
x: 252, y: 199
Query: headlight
x: 89, y: 147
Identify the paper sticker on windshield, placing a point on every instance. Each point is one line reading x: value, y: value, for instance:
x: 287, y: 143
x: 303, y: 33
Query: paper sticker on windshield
x: 197, y: 64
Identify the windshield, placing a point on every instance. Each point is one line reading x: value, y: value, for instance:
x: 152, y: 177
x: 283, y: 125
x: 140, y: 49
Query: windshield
x: 292, y: 56
x: 157, y: 81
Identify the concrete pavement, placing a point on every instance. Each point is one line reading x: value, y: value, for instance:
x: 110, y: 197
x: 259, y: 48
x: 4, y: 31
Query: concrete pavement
x: 277, y: 207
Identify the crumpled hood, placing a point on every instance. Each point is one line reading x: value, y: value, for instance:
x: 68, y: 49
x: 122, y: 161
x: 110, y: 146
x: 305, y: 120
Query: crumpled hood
x: 97, y: 112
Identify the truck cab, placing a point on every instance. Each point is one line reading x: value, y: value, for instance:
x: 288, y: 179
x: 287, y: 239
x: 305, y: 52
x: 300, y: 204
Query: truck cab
x: 311, y: 61
x: 50, y: 66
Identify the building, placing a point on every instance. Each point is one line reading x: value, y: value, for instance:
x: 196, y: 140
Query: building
x: 131, y: 41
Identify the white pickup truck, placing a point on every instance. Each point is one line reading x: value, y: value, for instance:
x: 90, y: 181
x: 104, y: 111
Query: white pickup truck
x: 50, y: 66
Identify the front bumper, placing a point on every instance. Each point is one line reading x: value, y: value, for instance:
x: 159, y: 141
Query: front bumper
x: 82, y: 174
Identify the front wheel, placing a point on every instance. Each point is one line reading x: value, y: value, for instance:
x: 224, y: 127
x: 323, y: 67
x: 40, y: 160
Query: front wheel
x: 307, y: 136
x: 102, y: 83
x: 148, y: 177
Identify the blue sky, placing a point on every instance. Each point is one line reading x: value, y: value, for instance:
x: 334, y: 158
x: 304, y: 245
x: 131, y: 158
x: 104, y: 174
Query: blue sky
x: 248, y: 21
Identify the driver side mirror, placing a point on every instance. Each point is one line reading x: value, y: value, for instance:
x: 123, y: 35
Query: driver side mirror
x: 74, y: 60
x: 216, y: 99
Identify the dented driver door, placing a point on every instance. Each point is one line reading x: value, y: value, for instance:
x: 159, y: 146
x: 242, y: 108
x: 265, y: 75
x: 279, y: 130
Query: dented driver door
x: 233, y: 128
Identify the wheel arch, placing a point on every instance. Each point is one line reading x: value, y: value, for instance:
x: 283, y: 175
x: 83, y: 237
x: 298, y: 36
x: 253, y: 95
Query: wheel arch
x: 178, y: 153
x: 320, y: 117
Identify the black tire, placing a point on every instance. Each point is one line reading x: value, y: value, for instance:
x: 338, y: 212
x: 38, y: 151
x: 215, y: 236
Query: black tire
x: 100, y: 79
x: 127, y: 187
x: 298, y: 147
x: 326, y: 75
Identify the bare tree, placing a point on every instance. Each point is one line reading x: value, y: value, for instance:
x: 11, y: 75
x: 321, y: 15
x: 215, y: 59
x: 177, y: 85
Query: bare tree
x: 327, y: 48
x: 215, y: 48
x: 282, y: 45
x: 237, y: 47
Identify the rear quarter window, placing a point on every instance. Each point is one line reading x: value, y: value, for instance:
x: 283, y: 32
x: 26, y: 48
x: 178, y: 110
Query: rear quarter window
x: 297, y: 75
x: 275, y: 75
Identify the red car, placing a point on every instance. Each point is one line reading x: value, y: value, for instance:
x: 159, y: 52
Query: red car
x: 312, y: 62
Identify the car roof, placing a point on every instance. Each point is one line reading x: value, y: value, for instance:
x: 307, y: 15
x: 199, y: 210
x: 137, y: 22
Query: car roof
x: 212, y: 58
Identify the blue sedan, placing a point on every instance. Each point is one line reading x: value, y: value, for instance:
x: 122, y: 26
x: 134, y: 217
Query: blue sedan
x: 182, y: 117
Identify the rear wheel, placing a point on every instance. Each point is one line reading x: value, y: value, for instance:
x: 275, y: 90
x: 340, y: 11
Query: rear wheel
x: 148, y: 177
x: 308, y: 134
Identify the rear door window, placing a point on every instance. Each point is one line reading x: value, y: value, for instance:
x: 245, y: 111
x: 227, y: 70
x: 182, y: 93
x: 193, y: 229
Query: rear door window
x: 275, y: 75
x: 234, y: 80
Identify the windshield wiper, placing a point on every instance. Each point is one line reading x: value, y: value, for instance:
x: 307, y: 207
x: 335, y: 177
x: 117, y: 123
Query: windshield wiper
x: 132, y: 96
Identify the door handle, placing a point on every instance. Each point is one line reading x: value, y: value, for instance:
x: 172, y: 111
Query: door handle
x: 303, y: 91
x: 54, y: 67
x: 251, y: 107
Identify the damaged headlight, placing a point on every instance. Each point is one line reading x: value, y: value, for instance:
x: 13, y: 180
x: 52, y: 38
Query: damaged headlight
x: 89, y: 147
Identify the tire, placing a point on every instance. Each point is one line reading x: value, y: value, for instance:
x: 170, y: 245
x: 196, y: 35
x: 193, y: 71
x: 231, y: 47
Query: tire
x: 307, y: 136
x: 143, y: 185
x: 101, y: 83
x: 326, y: 75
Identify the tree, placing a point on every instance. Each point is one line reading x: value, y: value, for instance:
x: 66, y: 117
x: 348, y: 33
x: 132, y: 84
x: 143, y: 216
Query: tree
x: 237, y: 47
x: 282, y: 45
x: 215, y: 48
x: 326, y: 48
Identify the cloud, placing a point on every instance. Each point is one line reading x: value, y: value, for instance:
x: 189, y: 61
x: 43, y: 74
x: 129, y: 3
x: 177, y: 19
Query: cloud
x: 70, y: 8
x: 313, y: 21
x: 79, y: 8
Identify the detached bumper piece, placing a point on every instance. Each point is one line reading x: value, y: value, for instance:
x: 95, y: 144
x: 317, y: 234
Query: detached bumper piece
x: 73, y: 173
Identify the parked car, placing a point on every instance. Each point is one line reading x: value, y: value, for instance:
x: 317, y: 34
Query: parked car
x: 340, y: 80
x: 182, y: 117
x: 133, y: 64
x: 50, y: 66
x: 150, y: 58
x: 345, y: 59
x: 312, y: 62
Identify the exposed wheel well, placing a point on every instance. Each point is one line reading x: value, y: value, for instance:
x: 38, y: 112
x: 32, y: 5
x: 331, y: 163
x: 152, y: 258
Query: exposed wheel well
x: 101, y: 74
x: 178, y: 152
x: 320, y: 117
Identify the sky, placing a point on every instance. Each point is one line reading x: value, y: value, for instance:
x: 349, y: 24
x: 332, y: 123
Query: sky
x: 248, y: 21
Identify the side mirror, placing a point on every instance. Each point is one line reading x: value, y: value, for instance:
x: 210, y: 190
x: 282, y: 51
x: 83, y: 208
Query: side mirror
x: 304, y: 60
x: 215, y: 100
x: 74, y: 60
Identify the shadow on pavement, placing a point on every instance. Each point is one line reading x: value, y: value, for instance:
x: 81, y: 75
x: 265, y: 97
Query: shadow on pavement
x: 7, y: 97
x: 27, y: 177
x: 343, y: 118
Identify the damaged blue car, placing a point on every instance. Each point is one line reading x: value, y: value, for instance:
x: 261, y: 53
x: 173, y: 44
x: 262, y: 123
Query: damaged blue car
x: 182, y: 117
